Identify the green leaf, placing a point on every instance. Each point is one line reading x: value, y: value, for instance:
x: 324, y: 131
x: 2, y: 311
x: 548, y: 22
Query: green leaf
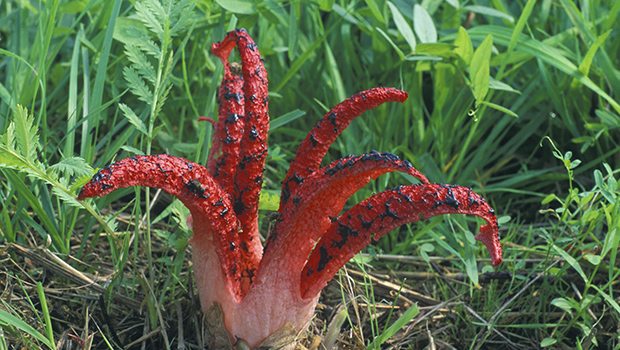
x: 500, y: 108
x: 464, y: 48
x: 498, y: 85
x: 130, y: 31
x: 483, y: 10
x: 374, y: 9
x: 586, y: 63
x: 69, y: 199
x: 423, y: 25
x: 571, y: 261
x: 479, y: 68
x: 548, y: 199
x: 269, y: 201
x: 137, y: 85
x: 563, y: 304
x: 26, y: 133
x: 454, y: 3
x: 243, y: 7
x: 546, y: 53
x: 396, y: 48
x: 73, y: 166
x: 151, y: 15
x: 7, y: 319
x: 141, y: 63
x: 399, y: 324
x: 435, y: 49
x: 326, y: 5
x: 548, y: 342
x: 403, y: 27
x: 480, y: 80
x: 285, y: 119
x: 134, y: 119
x: 608, y: 298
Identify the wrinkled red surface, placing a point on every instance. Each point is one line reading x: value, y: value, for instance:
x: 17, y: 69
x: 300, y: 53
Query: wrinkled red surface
x: 241, y: 135
x: 314, y: 147
x: 319, y: 199
x: 261, y: 294
x: 192, y: 184
x: 383, y: 212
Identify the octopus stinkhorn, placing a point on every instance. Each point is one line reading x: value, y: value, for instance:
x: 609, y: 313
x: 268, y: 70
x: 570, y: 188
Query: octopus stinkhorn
x: 260, y: 289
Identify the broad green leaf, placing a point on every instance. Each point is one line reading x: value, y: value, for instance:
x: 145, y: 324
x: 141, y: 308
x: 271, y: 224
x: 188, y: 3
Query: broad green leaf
x: 423, y: 25
x: 498, y: 85
x: 563, y: 304
x: 326, y: 5
x: 483, y: 10
x: 479, y: 68
x: 134, y: 119
x: 403, y: 27
x: 548, y: 342
x: 435, y: 49
x: 480, y: 80
x: 130, y: 31
x: 463, y: 48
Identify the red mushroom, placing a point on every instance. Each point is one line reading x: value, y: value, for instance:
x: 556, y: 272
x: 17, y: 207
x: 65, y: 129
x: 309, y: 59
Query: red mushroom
x: 262, y: 291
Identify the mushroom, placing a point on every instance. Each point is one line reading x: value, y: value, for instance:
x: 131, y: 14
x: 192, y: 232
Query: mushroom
x: 264, y: 291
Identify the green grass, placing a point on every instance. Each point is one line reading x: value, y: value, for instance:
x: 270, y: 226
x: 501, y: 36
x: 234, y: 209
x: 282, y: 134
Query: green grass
x: 505, y: 96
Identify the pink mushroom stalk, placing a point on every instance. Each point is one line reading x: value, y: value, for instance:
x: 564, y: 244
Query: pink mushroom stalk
x: 262, y: 290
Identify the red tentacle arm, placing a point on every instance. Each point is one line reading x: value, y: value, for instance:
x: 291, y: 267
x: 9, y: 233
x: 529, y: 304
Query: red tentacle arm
x: 317, y: 201
x: 215, y: 223
x: 247, y: 177
x: 225, y: 150
x: 381, y: 213
x: 249, y: 173
x: 312, y: 150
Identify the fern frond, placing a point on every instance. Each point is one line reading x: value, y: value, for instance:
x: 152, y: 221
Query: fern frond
x: 26, y: 134
x: 137, y: 85
x: 158, y: 9
x: 67, y: 198
x: 149, y: 47
x: 141, y: 63
x: 146, y: 15
x: 9, y: 159
x: 183, y: 10
x: 134, y: 119
x: 73, y: 166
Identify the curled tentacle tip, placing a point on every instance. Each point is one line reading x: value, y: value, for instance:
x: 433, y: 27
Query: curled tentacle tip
x: 206, y: 119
